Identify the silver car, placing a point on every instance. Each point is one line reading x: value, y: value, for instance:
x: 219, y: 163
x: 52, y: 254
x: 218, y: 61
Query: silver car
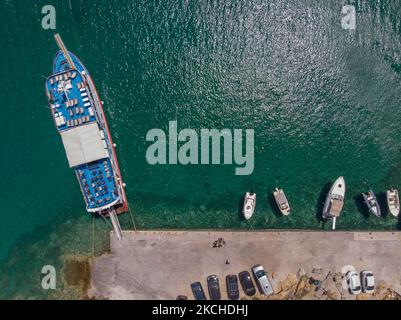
x: 368, y: 282
x: 262, y: 280
x: 354, y: 282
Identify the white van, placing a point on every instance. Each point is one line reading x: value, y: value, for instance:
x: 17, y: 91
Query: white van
x: 262, y: 280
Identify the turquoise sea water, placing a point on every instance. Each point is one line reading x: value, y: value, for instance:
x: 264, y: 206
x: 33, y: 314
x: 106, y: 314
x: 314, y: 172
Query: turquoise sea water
x: 323, y: 102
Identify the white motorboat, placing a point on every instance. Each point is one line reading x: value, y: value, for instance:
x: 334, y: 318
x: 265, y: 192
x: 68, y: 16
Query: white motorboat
x: 334, y: 201
x: 393, y: 202
x: 282, y: 202
x: 249, y: 205
x: 372, y: 203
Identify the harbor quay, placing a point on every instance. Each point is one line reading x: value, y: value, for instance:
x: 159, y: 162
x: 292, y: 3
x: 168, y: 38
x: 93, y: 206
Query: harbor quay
x: 163, y: 264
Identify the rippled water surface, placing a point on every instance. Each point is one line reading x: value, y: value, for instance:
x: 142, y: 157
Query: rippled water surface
x: 323, y: 102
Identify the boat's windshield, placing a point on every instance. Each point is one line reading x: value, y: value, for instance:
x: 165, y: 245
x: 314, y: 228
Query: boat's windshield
x: 337, y: 197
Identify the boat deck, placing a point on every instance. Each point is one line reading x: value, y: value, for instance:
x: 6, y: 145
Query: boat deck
x: 71, y: 105
x: 97, y: 184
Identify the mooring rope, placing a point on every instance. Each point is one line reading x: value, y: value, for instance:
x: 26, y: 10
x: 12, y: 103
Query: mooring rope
x: 132, y: 216
x: 107, y: 221
x: 93, y: 235
x: 250, y: 225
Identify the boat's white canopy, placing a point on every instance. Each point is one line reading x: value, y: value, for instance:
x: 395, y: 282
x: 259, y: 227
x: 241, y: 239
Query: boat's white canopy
x: 83, y: 144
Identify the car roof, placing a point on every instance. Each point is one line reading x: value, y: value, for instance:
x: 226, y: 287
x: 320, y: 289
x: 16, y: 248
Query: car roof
x: 356, y: 280
x: 371, y: 281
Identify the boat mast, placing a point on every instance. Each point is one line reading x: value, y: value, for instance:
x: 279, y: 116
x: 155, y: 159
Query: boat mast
x: 62, y: 47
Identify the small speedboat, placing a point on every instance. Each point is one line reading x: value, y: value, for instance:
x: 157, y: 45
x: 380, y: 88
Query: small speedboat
x: 393, y: 202
x: 249, y: 205
x: 334, y: 201
x: 372, y: 203
x: 282, y: 202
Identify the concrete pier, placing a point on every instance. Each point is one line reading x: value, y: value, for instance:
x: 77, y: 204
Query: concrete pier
x: 163, y: 264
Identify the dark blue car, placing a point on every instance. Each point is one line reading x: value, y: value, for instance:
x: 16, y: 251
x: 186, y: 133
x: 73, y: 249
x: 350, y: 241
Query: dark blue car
x: 232, y: 287
x: 198, y: 292
x: 214, y: 287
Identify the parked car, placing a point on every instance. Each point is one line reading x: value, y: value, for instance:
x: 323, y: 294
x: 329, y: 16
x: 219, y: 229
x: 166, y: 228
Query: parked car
x: 214, y: 287
x: 232, y: 287
x: 354, y: 282
x: 368, y: 282
x: 247, y: 283
x: 198, y: 292
x: 262, y: 280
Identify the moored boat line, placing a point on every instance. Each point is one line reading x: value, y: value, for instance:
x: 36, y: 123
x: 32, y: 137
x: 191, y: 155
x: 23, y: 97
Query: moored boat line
x: 79, y: 117
x: 333, y: 204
